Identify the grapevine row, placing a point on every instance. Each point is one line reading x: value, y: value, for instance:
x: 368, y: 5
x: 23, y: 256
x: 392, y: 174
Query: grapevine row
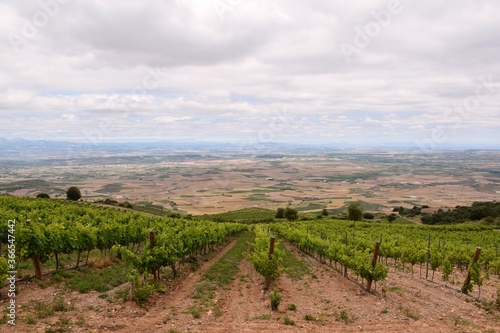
x: 357, y: 259
x: 266, y: 264
x: 409, y: 244
x: 350, y: 245
x: 48, y: 228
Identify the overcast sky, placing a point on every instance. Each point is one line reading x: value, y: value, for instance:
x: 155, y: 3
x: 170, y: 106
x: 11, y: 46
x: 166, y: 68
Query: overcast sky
x: 372, y: 72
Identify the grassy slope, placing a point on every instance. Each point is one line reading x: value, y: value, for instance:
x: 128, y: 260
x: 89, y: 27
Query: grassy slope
x: 241, y: 215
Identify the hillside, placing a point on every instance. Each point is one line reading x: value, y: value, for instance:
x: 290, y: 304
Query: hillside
x: 215, y: 288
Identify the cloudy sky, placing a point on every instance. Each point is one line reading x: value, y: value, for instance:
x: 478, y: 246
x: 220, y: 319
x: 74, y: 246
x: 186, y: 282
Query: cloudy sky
x: 425, y: 73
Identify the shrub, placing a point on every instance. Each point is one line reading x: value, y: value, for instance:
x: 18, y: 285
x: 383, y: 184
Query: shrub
x: 280, y: 213
x: 290, y: 214
x: 141, y: 292
x: 368, y: 216
x: 275, y: 299
x: 73, y: 193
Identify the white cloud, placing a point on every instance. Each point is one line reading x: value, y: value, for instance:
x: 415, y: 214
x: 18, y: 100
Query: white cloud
x: 169, y: 119
x: 179, y: 70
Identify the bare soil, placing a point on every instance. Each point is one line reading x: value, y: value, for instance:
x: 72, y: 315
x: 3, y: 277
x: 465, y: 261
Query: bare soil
x: 331, y: 302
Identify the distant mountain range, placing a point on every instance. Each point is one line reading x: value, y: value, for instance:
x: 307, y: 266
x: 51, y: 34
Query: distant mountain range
x: 40, y: 149
x: 26, y: 149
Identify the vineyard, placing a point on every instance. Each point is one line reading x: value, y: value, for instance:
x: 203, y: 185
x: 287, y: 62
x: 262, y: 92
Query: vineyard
x: 48, y: 228
x: 177, y: 275
x: 351, y: 245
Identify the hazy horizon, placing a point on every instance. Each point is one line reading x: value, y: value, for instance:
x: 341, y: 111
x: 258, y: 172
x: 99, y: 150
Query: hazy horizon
x: 403, y: 145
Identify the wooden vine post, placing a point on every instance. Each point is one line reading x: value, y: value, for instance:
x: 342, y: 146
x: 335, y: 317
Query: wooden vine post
x: 38, y: 270
x: 465, y: 287
x: 271, y: 247
x: 345, y: 266
x: 36, y: 261
x: 271, y: 251
x: 374, y: 263
x: 496, y: 270
x: 429, y: 257
x: 151, y: 246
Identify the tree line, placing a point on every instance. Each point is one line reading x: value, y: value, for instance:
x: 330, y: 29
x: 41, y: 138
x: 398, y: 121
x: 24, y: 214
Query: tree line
x: 489, y: 212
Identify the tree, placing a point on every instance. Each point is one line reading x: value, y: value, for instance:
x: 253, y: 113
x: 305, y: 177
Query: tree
x: 73, y: 193
x: 280, y: 213
x: 43, y: 196
x: 368, y: 216
x: 354, y: 212
x: 290, y: 214
x: 324, y: 212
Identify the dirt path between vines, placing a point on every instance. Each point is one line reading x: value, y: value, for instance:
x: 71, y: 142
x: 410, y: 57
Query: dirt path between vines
x: 330, y: 302
x: 91, y: 313
x: 333, y: 303
x: 172, y: 307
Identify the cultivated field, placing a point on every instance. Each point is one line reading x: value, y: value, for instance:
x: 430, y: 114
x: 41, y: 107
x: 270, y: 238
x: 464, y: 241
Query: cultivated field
x: 198, y: 183
x: 316, y: 297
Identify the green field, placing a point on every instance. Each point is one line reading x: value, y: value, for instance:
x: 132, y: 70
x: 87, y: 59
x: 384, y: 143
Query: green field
x: 241, y: 215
